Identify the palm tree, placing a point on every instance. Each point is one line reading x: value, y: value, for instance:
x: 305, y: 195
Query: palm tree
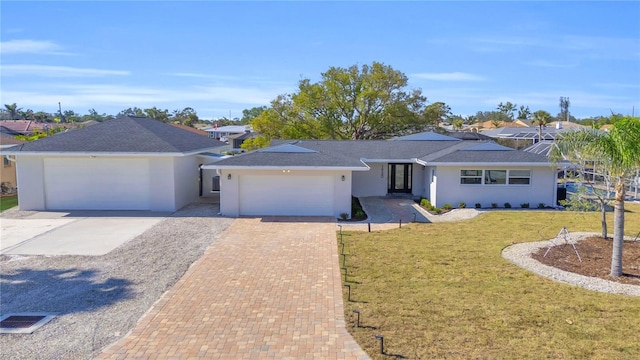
x: 619, y: 153
x: 541, y: 118
x: 13, y: 110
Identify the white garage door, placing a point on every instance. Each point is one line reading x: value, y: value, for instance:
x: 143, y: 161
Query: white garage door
x: 286, y: 195
x: 96, y: 184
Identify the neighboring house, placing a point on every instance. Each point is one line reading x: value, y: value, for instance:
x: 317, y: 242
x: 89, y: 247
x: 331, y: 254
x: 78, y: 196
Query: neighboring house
x: 128, y: 163
x: 319, y: 177
x: 8, y: 170
x: 481, y: 126
x: 191, y: 129
x: 549, y: 132
x: 238, y: 140
x: 28, y: 127
x: 223, y: 133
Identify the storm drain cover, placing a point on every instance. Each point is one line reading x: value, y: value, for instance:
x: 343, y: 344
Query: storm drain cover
x: 23, y: 323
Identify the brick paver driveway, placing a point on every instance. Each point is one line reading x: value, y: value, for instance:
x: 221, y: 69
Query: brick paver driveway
x: 268, y: 288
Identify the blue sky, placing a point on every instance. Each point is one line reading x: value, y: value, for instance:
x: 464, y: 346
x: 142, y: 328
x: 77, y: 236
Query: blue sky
x: 223, y: 57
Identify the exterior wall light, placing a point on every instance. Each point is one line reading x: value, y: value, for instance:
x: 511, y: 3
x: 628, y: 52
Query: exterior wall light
x: 229, y: 177
x: 342, y: 177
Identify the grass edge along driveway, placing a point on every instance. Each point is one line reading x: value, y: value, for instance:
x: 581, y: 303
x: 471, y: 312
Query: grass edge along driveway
x: 443, y: 290
x: 7, y: 202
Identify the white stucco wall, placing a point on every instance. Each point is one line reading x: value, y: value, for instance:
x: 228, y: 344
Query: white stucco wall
x: 417, y: 180
x: 207, y: 181
x: 372, y: 182
x: 186, y: 172
x: 30, y: 174
x: 449, y: 190
x: 230, y: 191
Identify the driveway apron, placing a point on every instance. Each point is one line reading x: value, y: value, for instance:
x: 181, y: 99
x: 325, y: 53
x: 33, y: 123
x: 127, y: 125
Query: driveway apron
x: 268, y: 288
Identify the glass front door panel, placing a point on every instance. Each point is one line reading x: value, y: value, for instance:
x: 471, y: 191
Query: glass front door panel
x: 399, y: 180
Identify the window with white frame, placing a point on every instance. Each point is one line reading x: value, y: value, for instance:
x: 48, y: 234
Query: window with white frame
x: 519, y: 177
x: 470, y: 176
x: 495, y: 177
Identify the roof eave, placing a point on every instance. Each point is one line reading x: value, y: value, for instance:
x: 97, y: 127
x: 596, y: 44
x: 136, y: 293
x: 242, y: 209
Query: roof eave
x: 411, y: 160
x: 103, y: 154
x: 500, y: 163
x: 281, y: 167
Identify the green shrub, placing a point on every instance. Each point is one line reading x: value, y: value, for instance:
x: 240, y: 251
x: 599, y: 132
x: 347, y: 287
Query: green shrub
x: 425, y: 203
x: 447, y: 206
x: 344, y: 216
x: 507, y: 205
x: 478, y: 205
x: 462, y: 205
x: 524, y: 205
x: 437, y: 211
x: 356, y: 209
x: 494, y: 205
x: 541, y: 206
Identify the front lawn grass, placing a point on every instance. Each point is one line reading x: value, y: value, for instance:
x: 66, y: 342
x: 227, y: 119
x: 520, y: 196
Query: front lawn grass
x: 7, y: 202
x: 443, y: 290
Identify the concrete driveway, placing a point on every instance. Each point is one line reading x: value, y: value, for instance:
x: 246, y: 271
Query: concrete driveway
x: 74, y: 233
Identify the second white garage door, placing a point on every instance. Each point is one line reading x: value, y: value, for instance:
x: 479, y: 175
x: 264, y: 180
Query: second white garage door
x: 96, y: 183
x: 286, y: 195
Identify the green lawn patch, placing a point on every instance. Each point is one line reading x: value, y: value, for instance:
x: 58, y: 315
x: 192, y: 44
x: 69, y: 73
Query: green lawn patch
x: 443, y: 290
x: 7, y: 202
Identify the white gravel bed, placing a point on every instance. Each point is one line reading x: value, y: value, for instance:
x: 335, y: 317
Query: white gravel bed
x: 99, y: 299
x: 520, y: 254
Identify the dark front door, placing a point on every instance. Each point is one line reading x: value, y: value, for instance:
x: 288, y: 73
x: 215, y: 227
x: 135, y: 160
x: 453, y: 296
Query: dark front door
x: 400, y: 178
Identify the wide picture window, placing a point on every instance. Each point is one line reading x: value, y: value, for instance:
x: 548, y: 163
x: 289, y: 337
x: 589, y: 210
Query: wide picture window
x: 495, y: 177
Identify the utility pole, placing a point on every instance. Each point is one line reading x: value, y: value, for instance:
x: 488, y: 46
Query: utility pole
x: 60, y: 112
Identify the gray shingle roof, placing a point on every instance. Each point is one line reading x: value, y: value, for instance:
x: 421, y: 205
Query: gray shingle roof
x: 491, y: 156
x: 348, y: 153
x: 125, y: 134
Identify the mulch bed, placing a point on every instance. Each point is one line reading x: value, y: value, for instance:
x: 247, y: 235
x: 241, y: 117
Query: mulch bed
x: 596, y: 259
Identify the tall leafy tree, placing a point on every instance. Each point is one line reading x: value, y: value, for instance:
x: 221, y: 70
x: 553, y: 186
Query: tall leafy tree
x: 508, y: 109
x: 564, y: 108
x: 524, y: 113
x: 13, y: 110
x: 436, y: 113
x: 541, y: 118
x: 367, y: 102
x: 618, y: 151
x: 249, y: 114
x: 157, y: 114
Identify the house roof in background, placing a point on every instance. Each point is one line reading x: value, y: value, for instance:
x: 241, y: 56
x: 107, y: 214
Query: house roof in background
x: 189, y: 128
x: 238, y: 129
x: 127, y: 134
x: 469, y: 135
x: 426, y: 136
x: 29, y: 126
x: 6, y: 140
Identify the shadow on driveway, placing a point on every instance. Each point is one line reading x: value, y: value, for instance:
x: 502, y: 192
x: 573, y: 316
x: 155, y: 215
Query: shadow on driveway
x: 75, y: 290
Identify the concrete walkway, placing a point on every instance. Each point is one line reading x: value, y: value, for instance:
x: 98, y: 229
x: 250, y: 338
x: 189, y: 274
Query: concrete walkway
x: 388, y: 213
x: 268, y: 288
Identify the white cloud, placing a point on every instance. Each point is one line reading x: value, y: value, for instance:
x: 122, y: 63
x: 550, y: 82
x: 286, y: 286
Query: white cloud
x: 114, y: 98
x: 592, y: 47
x: 57, y: 71
x: 29, y: 47
x: 450, y: 76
